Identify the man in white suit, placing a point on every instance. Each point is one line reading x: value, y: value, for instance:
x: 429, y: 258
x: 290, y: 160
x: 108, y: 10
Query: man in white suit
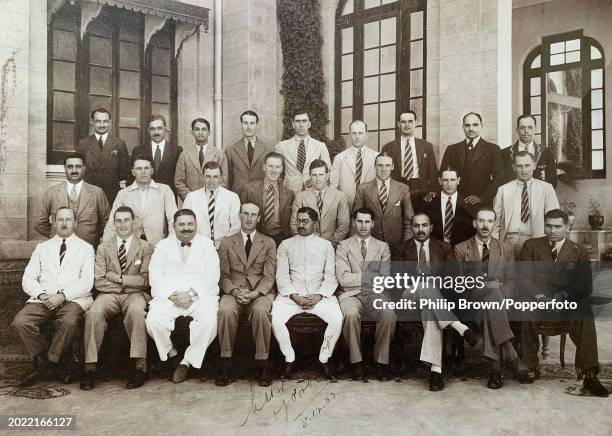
x: 298, y: 152
x: 355, y: 165
x: 331, y: 205
x: 153, y: 204
x: 184, y: 276
x: 217, y: 209
x: 520, y: 205
x: 58, y: 279
x: 306, y: 282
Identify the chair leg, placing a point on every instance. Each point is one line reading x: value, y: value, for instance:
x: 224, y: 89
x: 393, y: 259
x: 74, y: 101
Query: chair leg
x: 562, y: 350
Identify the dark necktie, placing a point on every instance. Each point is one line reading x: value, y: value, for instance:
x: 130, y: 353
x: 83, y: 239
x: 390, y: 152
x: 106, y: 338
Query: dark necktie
x: 269, y: 205
x: 201, y: 156
x: 100, y: 143
x: 185, y: 244
x: 358, y: 168
x: 422, y: 262
x: 122, y: 257
x: 62, y: 250
x: 408, y: 161
x: 524, y: 204
x: 320, y: 204
x: 211, y: 215
x: 301, y: 156
x: 383, y: 196
x: 448, y: 220
x: 553, y: 251
x: 157, y: 159
x: 250, y: 152
x: 468, y: 152
x: 248, y: 245
x: 485, y: 260
x: 364, y: 249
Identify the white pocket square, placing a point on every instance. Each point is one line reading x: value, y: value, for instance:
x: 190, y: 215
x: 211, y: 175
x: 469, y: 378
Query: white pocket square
x: 397, y: 204
x: 138, y: 262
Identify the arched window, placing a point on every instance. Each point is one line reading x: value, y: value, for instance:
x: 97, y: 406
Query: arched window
x: 563, y: 87
x: 380, y: 65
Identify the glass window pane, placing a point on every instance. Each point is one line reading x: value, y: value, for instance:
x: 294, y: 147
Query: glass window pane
x: 416, y: 104
x: 371, y: 3
x: 557, y: 47
x: 347, y: 40
x: 370, y: 89
x: 537, y: 138
x: 370, y: 62
x: 418, y: 132
x: 63, y: 137
x: 416, y: 54
x: 597, y: 99
x: 387, y: 136
x: 573, y: 56
x: 387, y: 59
x: 535, y: 86
x: 129, y: 56
x: 597, y: 119
x: 387, y: 31
x: 373, y: 140
x: 347, y: 119
x: 387, y: 87
x: 557, y: 59
x: 536, y: 62
x: 416, y: 25
x: 129, y: 113
x: 370, y: 34
x: 160, y: 89
x: 99, y: 101
x: 416, y: 83
x: 387, y: 115
x: 100, y: 80
x: 347, y: 93
x: 347, y: 67
x: 131, y: 138
x: 370, y: 116
x: 100, y: 28
x: 129, y: 85
x: 63, y: 76
x: 536, y: 105
x: 348, y: 8
x: 386, y: 2
x: 597, y: 162
x: 595, y: 53
x: 572, y: 45
x: 597, y: 139
x: 161, y: 61
x: 538, y: 118
x: 64, y: 45
x: 63, y: 106
x: 596, y: 79
x: 100, y: 51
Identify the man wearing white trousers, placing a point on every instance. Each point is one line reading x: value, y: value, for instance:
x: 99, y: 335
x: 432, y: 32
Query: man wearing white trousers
x: 184, y: 277
x: 306, y: 282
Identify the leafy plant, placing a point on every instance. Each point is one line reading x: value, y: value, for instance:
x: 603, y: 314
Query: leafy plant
x: 594, y: 208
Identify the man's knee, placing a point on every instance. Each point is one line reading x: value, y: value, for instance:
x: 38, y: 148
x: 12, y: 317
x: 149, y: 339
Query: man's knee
x: 21, y: 321
x: 387, y: 316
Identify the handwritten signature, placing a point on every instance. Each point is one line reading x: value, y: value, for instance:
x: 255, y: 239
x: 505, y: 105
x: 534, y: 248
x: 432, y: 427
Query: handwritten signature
x: 327, y: 345
x: 316, y: 411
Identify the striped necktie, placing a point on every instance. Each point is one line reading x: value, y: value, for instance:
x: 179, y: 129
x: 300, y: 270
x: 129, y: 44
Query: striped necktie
x: 301, y: 157
x: 201, y: 156
x: 62, y: 250
x: 383, y: 196
x: 485, y: 260
x: 122, y: 257
x: 408, y: 162
x: 358, y: 168
x: 320, y: 204
x: 448, y: 220
x: 269, y: 206
x: 553, y: 251
x: 364, y: 249
x: 524, y: 204
x: 211, y: 215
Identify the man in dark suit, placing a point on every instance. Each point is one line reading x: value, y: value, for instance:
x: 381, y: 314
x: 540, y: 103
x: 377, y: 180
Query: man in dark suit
x: 545, y: 165
x: 106, y: 156
x: 451, y: 216
x: 273, y: 198
x: 164, y: 156
x: 245, y: 158
x: 390, y: 201
x: 248, y: 269
x: 414, y: 162
x: 479, y: 163
x: 555, y: 268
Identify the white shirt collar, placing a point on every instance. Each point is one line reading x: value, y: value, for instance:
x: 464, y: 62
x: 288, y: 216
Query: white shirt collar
x: 297, y: 139
x: 104, y: 136
x: 480, y: 243
x: 69, y: 240
x: 134, y: 186
x: 366, y: 240
x: 386, y: 182
x: 127, y: 240
x: 424, y: 244
x: 558, y: 245
x: 474, y: 141
x: 78, y: 186
x: 246, y: 141
x: 154, y: 145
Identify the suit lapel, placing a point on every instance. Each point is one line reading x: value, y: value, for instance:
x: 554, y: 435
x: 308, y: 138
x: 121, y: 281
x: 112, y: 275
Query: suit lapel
x: 473, y: 254
x: 258, y: 153
x: 131, y: 254
x: 372, y: 192
x: 255, y: 249
x: 238, y: 244
x: 282, y: 194
x: 84, y: 197
x: 241, y: 150
x: 494, y: 255
x: 114, y: 253
x: 478, y: 153
x: 420, y: 151
x: 166, y: 157
x: 394, y: 195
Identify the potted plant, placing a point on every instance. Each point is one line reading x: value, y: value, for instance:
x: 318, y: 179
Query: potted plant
x: 596, y: 218
x: 569, y: 207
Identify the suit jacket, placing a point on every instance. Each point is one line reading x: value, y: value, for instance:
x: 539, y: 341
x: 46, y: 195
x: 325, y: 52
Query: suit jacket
x: 542, y: 198
x: 441, y: 257
x: 74, y: 276
x: 482, y: 174
x: 502, y: 266
x: 240, y: 172
x: 188, y: 176
x: 254, y: 193
x: 256, y: 272
x: 227, y: 211
x: 136, y: 274
x: 105, y: 168
x: 154, y: 220
x: 167, y: 168
x: 463, y: 228
x: 393, y: 226
x: 91, y: 214
x: 354, y: 273
x: 295, y: 179
x: 426, y: 160
x: 545, y: 165
x: 344, y: 168
x: 571, y: 273
x: 335, y: 218
x: 200, y: 271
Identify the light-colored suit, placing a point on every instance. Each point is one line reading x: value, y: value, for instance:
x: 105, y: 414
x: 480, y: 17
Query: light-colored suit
x: 335, y: 218
x: 295, y: 179
x: 168, y: 273
x: 153, y: 219
x: 344, y: 169
x: 227, y: 212
x: 353, y: 272
x: 91, y: 212
x: 188, y: 176
x: 240, y: 173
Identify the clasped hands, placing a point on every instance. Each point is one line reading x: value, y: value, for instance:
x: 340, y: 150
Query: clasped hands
x: 52, y: 301
x: 306, y: 302
x: 243, y: 295
x: 183, y: 299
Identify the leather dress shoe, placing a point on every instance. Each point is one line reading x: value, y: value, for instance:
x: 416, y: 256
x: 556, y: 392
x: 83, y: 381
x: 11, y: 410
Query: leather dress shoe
x: 470, y: 337
x: 180, y: 374
x: 88, y: 381
x: 436, y: 381
x: 225, y: 378
x: 496, y: 380
x: 592, y: 384
x: 136, y: 380
x: 287, y: 372
x: 382, y: 372
x: 326, y: 372
x: 64, y: 373
x: 41, y: 368
x: 265, y: 378
x: 357, y: 373
x: 522, y: 372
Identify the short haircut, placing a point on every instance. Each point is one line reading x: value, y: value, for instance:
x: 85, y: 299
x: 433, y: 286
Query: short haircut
x: 318, y: 163
x: 310, y: 211
x: 383, y: 154
x: 251, y: 203
x: 485, y: 209
x: 420, y: 214
x: 123, y: 209
x: 300, y: 111
x: 522, y: 153
x: 448, y: 168
x: 274, y: 154
x: 100, y: 109
x: 409, y: 111
x: 75, y: 156
x: 142, y: 156
x: 251, y: 113
x: 358, y: 121
x: 556, y: 213
x: 64, y: 208
x: 212, y: 165
x: 200, y: 120
x: 184, y: 212
x: 523, y: 116
x: 472, y: 113
x: 365, y: 211
x: 157, y: 117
